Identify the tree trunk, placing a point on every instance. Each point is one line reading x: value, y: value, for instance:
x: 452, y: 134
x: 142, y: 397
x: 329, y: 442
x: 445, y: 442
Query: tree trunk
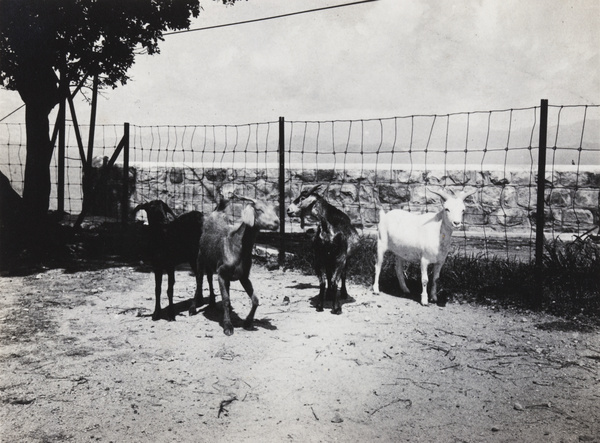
x: 38, y: 87
x: 36, y: 191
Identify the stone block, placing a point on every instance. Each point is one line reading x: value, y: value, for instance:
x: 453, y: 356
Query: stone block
x: 569, y: 179
x: 491, y: 196
x: 393, y: 194
x: 346, y: 193
x: 577, y: 218
x: 325, y: 175
x: 176, y: 175
x: 585, y: 198
x: 559, y: 197
x: 522, y: 178
x: 508, y: 217
x: 509, y: 197
x: 408, y: 177
x: 475, y: 217
x: 463, y: 178
x: 526, y: 197
x: 215, y: 175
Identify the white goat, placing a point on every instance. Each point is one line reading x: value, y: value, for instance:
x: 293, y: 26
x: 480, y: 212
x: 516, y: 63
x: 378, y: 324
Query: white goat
x: 423, y: 238
x: 226, y: 250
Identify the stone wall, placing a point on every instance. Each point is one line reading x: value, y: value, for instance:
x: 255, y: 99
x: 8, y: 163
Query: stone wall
x: 505, y: 200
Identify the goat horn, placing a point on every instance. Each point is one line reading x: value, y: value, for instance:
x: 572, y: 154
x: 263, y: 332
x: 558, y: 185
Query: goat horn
x: 315, y: 188
x: 464, y: 194
x: 243, y: 198
x: 445, y: 196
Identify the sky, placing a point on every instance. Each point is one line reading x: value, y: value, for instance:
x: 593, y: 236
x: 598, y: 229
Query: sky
x: 380, y: 59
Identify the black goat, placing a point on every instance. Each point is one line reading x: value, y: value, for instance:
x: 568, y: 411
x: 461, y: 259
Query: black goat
x: 173, y: 240
x: 333, y: 244
x: 227, y: 251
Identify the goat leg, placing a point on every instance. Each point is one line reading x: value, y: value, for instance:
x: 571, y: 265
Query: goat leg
x: 400, y: 275
x: 336, y: 307
x: 247, y: 284
x: 171, y: 280
x: 157, y: 285
x: 344, y: 292
x: 322, y: 285
x: 212, y: 300
x: 424, y: 281
x: 224, y: 286
x: 437, y: 267
x: 198, y: 299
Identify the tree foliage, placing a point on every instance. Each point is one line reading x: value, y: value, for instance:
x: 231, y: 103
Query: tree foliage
x: 81, y: 38
x: 48, y: 45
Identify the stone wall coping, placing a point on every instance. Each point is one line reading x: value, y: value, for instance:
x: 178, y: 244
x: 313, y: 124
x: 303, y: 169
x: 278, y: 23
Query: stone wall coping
x: 364, y: 166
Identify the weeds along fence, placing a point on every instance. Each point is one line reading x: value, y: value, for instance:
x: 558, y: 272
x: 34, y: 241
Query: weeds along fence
x: 363, y: 165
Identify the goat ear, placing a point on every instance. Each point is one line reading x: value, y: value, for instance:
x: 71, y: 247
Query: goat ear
x: 167, y: 209
x: 445, y: 196
x: 248, y: 215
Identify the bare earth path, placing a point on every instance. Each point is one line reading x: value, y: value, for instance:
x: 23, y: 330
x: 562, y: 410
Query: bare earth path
x: 81, y: 360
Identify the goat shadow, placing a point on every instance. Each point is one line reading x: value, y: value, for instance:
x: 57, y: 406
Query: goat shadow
x: 215, y: 314
x: 178, y: 309
x: 392, y: 287
x: 315, y: 299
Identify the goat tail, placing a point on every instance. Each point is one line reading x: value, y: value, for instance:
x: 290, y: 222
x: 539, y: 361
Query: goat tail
x: 382, y: 227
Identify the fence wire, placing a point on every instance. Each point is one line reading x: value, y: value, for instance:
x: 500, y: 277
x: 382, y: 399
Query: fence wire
x: 363, y: 165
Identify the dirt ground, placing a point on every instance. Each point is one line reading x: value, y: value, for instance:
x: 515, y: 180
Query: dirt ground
x: 81, y: 360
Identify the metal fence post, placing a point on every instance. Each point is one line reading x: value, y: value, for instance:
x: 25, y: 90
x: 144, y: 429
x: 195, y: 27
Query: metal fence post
x: 125, y: 195
x: 540, y: 207
x: 281, y: 258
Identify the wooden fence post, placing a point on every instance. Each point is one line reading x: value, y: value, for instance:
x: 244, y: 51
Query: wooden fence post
x: 61, y: 121
x: 281, y: 258
x: 540, y: 207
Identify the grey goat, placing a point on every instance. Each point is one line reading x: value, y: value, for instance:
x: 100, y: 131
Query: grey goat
x: 226, y: 250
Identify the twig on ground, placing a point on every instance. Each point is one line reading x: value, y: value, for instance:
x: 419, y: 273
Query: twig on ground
x: 225, y: 403
x: 450, y: 367
x: 398, y: 400
x: 314, y: 414
x: 493, y: 373
x: 418, y: 384
x: 451, y: 333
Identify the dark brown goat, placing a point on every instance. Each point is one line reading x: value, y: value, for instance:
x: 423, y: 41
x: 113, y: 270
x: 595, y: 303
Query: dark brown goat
x: 226, y: 250
x: 333, y: 244
x: 173, y: 240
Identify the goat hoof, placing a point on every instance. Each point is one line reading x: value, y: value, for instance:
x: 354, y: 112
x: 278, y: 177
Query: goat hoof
x: 228, y: 330
x: 336, y: 311
x: 192, y: 311
x: 156, y: 316
x: 319, y: 308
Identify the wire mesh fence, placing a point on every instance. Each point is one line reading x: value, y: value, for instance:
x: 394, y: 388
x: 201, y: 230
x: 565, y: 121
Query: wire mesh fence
x: 364, y: 166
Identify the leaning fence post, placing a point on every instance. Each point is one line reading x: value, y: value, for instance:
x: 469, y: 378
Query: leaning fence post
x: 60, y: 191
x: 125, y: 195
x: 539, y: 218
x: 281, y: 257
